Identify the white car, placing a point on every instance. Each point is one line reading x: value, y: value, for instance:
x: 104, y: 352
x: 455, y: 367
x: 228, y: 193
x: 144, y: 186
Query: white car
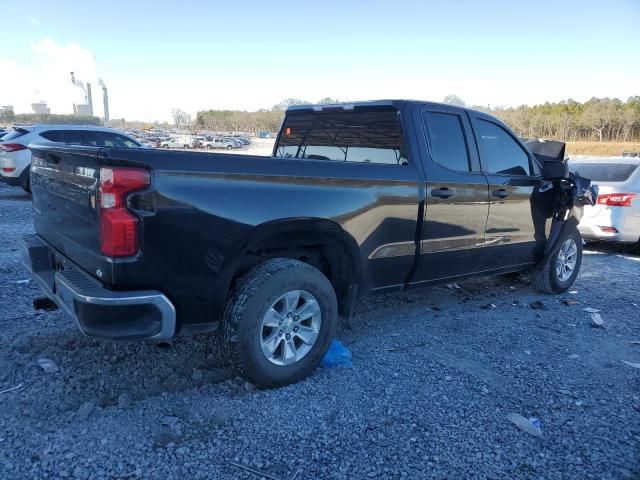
x: 15, y: 156
x: 616, y: 214
x: 178, y: 142
x: 219, y: 142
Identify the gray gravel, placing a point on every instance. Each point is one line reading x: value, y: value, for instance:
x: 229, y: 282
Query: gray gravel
x: 436, y: 374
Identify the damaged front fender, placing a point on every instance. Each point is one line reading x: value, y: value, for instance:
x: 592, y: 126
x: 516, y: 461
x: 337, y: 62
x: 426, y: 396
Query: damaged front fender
x: 561, y: 196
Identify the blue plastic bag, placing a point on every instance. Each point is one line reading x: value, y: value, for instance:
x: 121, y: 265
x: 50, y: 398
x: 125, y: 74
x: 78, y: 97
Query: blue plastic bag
x: 338, y: 356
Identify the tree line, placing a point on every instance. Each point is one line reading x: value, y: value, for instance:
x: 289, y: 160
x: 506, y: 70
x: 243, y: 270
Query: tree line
x: 7, y: 116
x: 598, y: 119
x: 242, y: 121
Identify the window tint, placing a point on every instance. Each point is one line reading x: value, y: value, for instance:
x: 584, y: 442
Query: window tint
x: 372, y: 136
x: 114, y: 140
x: 52, y: 135
x: 499, y: 152
x: 89, y: 138
x: 604, y: 172
x: 446, y: 136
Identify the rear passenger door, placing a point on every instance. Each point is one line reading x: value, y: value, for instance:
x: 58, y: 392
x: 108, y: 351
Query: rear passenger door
x: 513, y: 176
x: 457, y: 202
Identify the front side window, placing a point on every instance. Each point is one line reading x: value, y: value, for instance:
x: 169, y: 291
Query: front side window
x: 372, y: 136
x: 446, y: 138
x: 499, y: 152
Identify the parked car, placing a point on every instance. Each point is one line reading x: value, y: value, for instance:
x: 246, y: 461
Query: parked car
x: 15, y: 157
x: 219, y: 142
x: 616, y: 215
x: 183, y: 141
x: 363, y: 198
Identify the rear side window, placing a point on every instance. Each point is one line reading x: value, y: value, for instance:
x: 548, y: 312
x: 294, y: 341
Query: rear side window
x: 499, y: 152
x: 70, y: 137
x: 17, y: 133
x: 604, y: 172
x: 446, y: 137
x: 107, y: 139
x: 371, y: 136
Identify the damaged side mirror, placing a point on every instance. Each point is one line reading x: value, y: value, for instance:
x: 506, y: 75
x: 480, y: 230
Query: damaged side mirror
x: 555, y: 170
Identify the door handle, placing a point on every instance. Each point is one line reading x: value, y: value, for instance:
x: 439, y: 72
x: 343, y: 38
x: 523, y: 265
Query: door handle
x: 443, y: 192
x: 500, y: 193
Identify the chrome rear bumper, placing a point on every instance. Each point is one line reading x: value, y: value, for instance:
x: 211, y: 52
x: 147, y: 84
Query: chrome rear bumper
x: 98, y: 311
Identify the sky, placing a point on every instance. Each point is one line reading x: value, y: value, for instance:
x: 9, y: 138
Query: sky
x: 156, y: 56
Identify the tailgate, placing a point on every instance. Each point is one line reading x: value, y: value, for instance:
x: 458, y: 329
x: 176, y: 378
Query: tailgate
x: 64, y: 183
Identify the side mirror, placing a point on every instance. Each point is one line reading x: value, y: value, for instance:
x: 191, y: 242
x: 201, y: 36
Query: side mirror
x: 555, y: 170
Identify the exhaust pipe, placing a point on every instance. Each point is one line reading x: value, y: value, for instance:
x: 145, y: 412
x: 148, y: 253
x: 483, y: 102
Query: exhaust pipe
x: 44, y: 303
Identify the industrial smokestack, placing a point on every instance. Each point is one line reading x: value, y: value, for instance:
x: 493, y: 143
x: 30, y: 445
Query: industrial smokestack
x: 77, y: 83
x: 89, y: 99
x: 105, y: 100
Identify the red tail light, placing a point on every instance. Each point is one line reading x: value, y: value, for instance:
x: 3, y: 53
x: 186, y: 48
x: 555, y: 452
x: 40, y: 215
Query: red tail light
x: 118, y: 226
x: 616, y: 199
x: 8, y: 169
x: 12, y: 147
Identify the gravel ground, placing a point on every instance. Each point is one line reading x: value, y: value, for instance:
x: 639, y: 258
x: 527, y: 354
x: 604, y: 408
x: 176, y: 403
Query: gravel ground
x: 435, y: 375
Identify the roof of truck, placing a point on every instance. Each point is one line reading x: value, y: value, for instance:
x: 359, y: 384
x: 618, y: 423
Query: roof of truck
x: 397, y: 103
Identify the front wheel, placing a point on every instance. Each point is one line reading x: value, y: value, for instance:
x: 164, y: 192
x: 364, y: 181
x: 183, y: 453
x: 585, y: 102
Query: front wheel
x: 279, y: 321
x: 557, y: 272
x: 229, y: 147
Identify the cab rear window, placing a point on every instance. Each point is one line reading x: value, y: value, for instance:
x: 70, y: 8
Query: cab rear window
x: 359, y: 136
x: 604, y: 172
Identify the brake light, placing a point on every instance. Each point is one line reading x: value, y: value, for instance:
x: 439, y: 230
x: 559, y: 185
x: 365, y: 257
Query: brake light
x: 12, y: 147
x: 118, y: 226
x: 8, y: 169
x: 616, y: 199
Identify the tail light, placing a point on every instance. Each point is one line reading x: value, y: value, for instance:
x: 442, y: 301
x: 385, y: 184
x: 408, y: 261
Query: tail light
x: 616, y: 199
x: 8, y: 169
x: 118, y: 226
x: 12, y: 147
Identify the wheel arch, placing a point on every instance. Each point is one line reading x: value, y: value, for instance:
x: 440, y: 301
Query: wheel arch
x: 319, y: 242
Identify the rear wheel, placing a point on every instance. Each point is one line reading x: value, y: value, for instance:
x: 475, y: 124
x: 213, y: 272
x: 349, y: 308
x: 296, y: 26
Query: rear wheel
x: 279, y: 321
x: 229, y: 147
x: 557, y: 272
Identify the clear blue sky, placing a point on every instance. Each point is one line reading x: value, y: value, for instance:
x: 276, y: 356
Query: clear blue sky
x: 155, y: 56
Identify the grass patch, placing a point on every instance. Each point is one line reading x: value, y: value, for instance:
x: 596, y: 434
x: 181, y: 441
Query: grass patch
x: 605, y: 149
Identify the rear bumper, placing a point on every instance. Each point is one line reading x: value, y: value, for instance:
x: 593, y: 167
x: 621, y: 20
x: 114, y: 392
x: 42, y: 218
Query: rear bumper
x: 17, y: 181
x: 599, y: 220
x: 593, y: 232
x: 99, y: 312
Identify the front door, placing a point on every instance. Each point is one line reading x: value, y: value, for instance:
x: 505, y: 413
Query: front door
x: 513, y: 177
x: 457, y: 203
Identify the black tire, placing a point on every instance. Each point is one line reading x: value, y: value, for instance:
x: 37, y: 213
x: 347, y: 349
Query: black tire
x: 253, y: 294
x: 545, y: 278
x: 26, y: 183
x: 229, y: 147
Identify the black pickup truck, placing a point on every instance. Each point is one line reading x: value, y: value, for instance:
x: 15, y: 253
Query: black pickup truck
x: 268, y: 251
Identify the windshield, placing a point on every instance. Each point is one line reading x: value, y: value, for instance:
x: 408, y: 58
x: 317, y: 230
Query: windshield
x: 362, y: 136
x: 604, y: 172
